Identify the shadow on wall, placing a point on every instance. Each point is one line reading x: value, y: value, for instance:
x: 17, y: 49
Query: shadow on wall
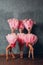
x: 38, y: 30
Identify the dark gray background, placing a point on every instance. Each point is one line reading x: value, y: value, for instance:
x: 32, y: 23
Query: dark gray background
x: 21, y: 9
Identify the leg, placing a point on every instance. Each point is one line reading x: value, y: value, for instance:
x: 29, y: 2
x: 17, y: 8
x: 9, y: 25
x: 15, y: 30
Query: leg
x: 7, y: 50
x: 21, y: 52
x: 29, y: 51
x: 32, y: 53
x: 29, y: 54
x: 13, y: 56
x: 11, y: 52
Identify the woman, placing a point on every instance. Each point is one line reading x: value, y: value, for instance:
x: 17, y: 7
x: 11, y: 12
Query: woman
x: 11, y: 38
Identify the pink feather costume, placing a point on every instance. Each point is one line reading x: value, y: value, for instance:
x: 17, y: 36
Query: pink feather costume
x: 13, y: 23
x: 11, y: 38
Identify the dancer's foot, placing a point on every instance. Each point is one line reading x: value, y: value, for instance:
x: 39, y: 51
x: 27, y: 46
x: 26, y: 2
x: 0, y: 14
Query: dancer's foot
x: 33, y: 58
x: 13, y: 57
x: 21, y: 56
x: 7, y: 58
x: 28, y: 56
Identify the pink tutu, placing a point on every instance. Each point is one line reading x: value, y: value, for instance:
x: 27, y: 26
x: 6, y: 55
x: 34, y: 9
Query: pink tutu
x: 21, y: 38
x: 28, y: 24
x: 13, y: 23
x: 30, y: 38
x: 21, y: 25
x: 11, y: 38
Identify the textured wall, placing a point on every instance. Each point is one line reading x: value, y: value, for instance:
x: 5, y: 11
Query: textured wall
x: 21, y: 9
